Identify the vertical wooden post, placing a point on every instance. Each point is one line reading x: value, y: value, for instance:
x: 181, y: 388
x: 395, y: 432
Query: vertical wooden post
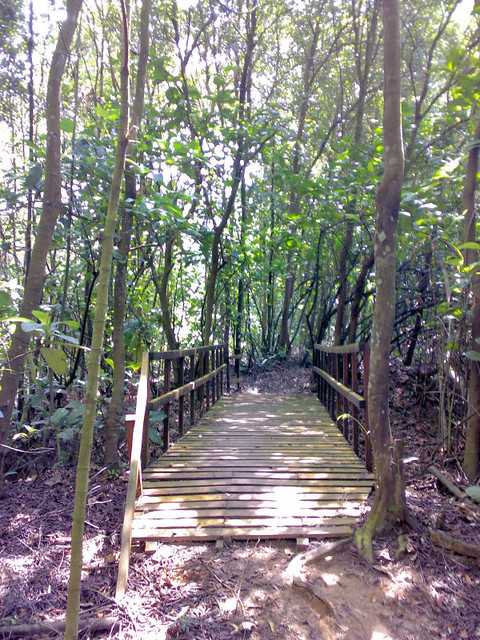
x: 145, y: 438
x: 227, y: 362
x: 181, y: 400
x: 193, y: 395
x: 213, y: 358
x: 322, y: 381
x: 166, y: 420
x: 237, y: 367
x: 355, y: 412
x: 345, y: 407
x: 366, y: 372
x: 206, y: 360
x: 221, y: 359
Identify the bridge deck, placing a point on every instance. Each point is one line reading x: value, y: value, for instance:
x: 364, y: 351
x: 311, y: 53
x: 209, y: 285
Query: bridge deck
x: 255, y: 466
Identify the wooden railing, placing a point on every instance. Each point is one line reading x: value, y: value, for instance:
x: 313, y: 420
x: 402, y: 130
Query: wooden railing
x: 208, y: 373
x: 336, y: 371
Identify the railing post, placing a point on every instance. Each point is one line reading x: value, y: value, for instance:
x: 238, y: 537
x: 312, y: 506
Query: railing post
x: 166, y: 420
x: 145, y: 438
x: 213, y: 358
x: 193, y: 395
x: 221, y: 358
x: 355, y: 411
x: 206, y: 360
x: 237, y: 367
x: 181, y: 400
x: 227, y: 362
x: 346, y: 424
x: 366, y: 374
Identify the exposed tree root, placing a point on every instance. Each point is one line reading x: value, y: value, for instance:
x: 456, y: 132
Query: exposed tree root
x: 296, y: 564
x: 446, y: 541
x: 55, y: 626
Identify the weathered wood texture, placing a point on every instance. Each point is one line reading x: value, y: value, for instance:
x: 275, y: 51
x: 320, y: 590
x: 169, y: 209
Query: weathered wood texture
x: 256, y: 466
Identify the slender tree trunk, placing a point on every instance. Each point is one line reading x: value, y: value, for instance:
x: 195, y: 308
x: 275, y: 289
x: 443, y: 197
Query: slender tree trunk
x: 471, y: 458
x: 389, y: 505
x: 271, y: 274
x: 241, y: 281
x: 358, y: 295
x: 423, y: 286
x: 114, y: 419
x: 31, y: 107
x: 52, y: 206
x: 163, y: 294
x: 342, y: 279
x: 95, y: 354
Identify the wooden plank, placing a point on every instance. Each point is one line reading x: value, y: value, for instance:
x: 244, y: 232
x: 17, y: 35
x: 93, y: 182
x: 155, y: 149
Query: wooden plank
x: 153, y: 503
x: 277, y: 521
x: 279, y: 491
x: 150, y: 482
x: 326, y: 494
x: 327, y: 509
x: 246, y: 533
x: 135, y: 471
x: 273, y: 474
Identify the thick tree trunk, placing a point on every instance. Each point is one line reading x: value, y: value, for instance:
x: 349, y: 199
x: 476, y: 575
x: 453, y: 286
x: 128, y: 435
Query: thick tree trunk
x: 114, y: 419
x: 471, y: 458
x: 389, y: 505
x: 52, y: 206
x: 95, y: 354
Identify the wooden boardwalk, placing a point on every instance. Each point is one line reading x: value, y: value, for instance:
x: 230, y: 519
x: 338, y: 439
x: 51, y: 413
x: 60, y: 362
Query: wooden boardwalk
x: 255, y: 466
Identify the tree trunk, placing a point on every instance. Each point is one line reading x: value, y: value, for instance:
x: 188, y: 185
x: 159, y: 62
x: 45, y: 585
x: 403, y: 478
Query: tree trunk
x: 52, y: 206
x: 389, y: 505
x: 358, y: 295
x: 114, y: 419
x: 471, y: 456
x: 94, y: 357
x: 342, y: 279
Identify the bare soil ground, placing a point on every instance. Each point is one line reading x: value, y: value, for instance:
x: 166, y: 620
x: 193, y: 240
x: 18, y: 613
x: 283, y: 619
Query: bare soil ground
x: 196, y: 592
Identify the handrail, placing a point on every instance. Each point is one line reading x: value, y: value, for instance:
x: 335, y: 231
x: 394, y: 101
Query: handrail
x: 176, y: 394
x: 354, y: 398
x: 182, y: 353
x: 215, y: 357
x: 134, y: 477
x: 335, y: 370
x: 354, y: 347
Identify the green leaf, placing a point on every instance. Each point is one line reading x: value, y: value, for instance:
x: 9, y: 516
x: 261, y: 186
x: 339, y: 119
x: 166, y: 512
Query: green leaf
x: 67, y: 125
x: 470, y: 245
x: 473, y: 355
x: 473, y: 492
x: 56, y: 360
x: 42, y: 316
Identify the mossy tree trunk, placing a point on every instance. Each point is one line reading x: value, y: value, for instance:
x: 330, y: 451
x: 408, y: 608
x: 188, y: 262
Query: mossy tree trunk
x: 94, y: 356
x: 389, y: 504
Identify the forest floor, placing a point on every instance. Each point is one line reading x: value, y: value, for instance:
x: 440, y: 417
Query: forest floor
x: 196, y: 592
